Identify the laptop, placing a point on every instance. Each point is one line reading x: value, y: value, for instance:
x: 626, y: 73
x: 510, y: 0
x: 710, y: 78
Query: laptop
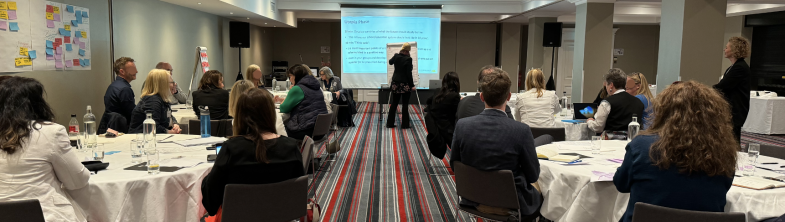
x: 584, y: 111
x: 434, y: 84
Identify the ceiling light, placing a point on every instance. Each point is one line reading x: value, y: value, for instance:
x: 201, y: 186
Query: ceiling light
x: 247, y: 18
x: 265, y: 23
x: 274, y: 26
x: 199, y: 3
x: 231, y: 13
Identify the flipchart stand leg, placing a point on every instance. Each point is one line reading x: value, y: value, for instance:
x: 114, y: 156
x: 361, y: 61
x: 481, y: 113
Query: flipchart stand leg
x: 422, y: 111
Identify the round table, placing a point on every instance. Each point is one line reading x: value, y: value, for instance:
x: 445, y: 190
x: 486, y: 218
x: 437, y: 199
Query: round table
x: 116, y: 194
x: 584, y: 193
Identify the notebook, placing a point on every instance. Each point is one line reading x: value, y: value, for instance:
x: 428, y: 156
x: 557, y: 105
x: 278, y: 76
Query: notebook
x: 756, y: 183
x: 584, y: 110
x: 553, y: 155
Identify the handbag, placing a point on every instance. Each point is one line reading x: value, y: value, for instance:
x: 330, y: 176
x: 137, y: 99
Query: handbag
x: 313, y: 213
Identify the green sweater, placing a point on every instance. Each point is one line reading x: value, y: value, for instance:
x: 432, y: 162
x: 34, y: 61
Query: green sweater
x: 294, y: 97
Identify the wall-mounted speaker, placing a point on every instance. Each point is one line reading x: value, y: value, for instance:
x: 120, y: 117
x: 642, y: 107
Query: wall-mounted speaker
x: 551, y: 34
x: 239, y: 36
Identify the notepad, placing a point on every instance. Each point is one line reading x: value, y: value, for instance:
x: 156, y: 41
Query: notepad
x: 553, y: 155
x: 201, y: 141
x: 756, y: 183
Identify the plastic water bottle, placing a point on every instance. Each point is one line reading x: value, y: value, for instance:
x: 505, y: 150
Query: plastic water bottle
x: 288, y: 85
x: 90, y: 128
x: 73, y: 130
x: 275, y: 84
x: 632, y: 129
x: 204, y: 121
x: 564, y: 111
x: 149, y: 131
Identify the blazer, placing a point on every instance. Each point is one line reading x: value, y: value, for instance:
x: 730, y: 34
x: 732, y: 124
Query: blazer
x: 403, y: 69
x: 735, y: 86
x: 43, y: 169
x: 492, y: 141
x: 216, y: 100
x: 162, y: 115
x: 473, y: 105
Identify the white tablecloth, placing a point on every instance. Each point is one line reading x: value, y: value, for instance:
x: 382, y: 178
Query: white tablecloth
x: 182, y: 115
x: 766, y: 116
x: 115, y: 194
x: 570, y: 195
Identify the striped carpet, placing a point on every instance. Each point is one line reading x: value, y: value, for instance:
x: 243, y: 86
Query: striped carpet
x: 775, y: 140
x: 380, y: 174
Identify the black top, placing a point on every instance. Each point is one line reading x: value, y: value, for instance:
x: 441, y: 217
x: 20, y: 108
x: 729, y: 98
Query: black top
x: 119, y: 98
x: 403, y: 69
x: 491, y: 141
x: 216, y: 100
x: 623, y: 105
x: 444, y: 114
x: 647, y: 183
x: 236, y: 164
x: 161, y: 110
x: 473, y: 105
x: 735, y: 86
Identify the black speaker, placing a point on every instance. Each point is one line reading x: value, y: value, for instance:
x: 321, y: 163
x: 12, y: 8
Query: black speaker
x: 551, y: 34
x: 239, y: 37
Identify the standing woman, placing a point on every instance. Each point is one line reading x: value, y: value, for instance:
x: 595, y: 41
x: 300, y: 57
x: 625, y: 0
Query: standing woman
x: 735, y: 84
x: 536, y: 106
x: 441, y: 114
x: 638, y: 86
x: 401, y: 86
x: 254, y: 74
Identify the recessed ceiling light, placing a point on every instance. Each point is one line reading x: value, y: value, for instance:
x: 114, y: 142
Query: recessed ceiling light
x: 199, y: 3
x: 274, y: 26
x: 265, y: 23
x: 247, y: 18
x: 231, y: 13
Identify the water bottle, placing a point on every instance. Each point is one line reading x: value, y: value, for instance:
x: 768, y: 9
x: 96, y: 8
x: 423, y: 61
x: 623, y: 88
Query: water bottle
x: 275, y: 84
x: 73, y: 130
x: 90, y: 129
x: 288, y: 85
x: 149, y: 131
x: 204, y: 121
x: 632, y: 129
x: 564, y: 111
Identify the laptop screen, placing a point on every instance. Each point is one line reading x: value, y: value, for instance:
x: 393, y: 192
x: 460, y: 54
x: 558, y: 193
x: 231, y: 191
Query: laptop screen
x: 584, y: 110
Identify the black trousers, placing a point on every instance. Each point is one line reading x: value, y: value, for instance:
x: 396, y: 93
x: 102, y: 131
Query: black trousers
x: 394, y: 109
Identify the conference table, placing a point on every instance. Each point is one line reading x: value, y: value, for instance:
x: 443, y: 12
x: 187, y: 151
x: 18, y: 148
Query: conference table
x: 765, y: 116
x: 585, y: 192
x: 116, y: 194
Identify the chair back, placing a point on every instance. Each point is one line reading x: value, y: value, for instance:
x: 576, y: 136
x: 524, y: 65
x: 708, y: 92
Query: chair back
x: 652, y: 213
x: 322, y: 125
x: 307, y: 150
x: 492, y: 188
x: 334, y: 107
x: 22, y: 210
x: 772, y: 151
x: 276, y: 202
x: 556, y: 133
x: 112, y: 120
x: 222, y: 128
x: 543, y: 140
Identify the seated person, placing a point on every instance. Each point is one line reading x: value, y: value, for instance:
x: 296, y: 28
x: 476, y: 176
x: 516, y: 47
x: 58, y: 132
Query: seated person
x: 212, y: 94
x: 254, y: 75
x: 238, y: 89
x: 493, y: 141
x: 638, y: 86
x: 536, y: 106
x: 442, y: 108
x: 154, y: 100
x: 255, y: 154
x: 119, y: 97
x: 615, y: 112
x: 177, y: 97
x: 330, y: 82
x: 662, y: 168
x: 303, y: 103
x: 472, y: 105
x: 37, y: 161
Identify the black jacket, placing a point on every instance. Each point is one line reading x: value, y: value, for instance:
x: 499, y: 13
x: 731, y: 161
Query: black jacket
x: 236, y: 164
x: 473, y: 105
x: 623, y: 106
x: 161, y: 110
x: 735, y: 86
x: 440, y: 121
x: 119, y: 98
x: 216, y: 100
x: 403, y: 69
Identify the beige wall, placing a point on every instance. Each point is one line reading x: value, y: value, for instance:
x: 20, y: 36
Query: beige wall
x: 476, y: 47
x: 449, y: 43
x: 510, y: 51
x: 260, y: 53
x: 307, y: 39
x: 641, y: 45
x: 734, y: 26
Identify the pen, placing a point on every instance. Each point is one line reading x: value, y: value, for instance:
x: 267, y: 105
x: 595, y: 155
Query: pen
x: 769, y: 163
x: 775, y: 179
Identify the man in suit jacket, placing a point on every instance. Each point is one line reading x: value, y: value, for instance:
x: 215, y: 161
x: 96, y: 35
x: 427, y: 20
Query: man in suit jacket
x: 473, y: 105
x: 493, y: 141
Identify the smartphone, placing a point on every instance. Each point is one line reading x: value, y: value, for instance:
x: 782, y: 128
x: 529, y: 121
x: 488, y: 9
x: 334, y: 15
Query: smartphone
x: 217, y: 149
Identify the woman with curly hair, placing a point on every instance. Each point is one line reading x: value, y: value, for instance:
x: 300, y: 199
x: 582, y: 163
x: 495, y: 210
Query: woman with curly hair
x: 687, y: 158
x: 735, y: 84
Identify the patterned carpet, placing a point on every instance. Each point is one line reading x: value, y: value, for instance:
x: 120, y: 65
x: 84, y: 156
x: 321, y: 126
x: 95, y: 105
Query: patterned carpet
x: 380, y: 174
x: 776, y: 140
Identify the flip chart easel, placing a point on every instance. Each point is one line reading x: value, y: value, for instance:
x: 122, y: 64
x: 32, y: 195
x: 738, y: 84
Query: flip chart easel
x: 201, y: 60
x: 392, y: 48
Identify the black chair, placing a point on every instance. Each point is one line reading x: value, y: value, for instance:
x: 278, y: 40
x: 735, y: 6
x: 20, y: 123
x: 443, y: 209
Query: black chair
x: 334, y: 124
x: 112, y: 120
x: 321, y: 131
x: 220, y: 128
x: 652, y: 213
x: 276, y: 202
x: 307, y: 151
x: 772, y: 151
x: 543, y: 140
x: 556, y: 133
x: 491, y: 188
x: 23, y: 210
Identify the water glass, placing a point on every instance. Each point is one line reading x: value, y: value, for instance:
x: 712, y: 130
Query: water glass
x: 752, y: 158
x: 98, y: 152
x: 189, y: 104
x: 153, y: 162
x: 596, y: 144
x: 136, y: 151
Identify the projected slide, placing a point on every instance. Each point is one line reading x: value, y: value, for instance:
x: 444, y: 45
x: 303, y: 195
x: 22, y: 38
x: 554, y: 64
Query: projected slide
x: 366, y: 32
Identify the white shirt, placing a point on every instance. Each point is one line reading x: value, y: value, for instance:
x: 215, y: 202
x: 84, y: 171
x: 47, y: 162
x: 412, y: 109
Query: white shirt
x: 598, y: 124
x: 42, y: 169
x: 537, y: 112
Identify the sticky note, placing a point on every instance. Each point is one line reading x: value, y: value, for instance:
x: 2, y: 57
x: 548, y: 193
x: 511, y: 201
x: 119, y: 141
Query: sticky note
x: 50, y: 24
x: 76, y: 61
x: 11, y: 5
x: 50, y: 57
x: 86, y: 62
x: 50, y: 16
x: 84, y: 14
x: 76, y: 40
x: 84, y: 34
x: 78, y: 14
x: 68, y: 47
x: 27, y: 61
x: 67, y: 39
x: 56, y: 17
x: 59, y: 50
x: 68, y: 27
x: 49, y: 44
x: 82, y: 45
x: 32, y: 54
x: 56, y: 9
x: 69, y: 8
x: 49, y: 8
x: 12, y: 15
x: 81, y: 52
x: 58, y: 57
x: 59, y: 64
x: 3, y: 25
x: 3, y: 5
x: 77, y: 34
x: 18, y: 62
x: 68, y: 63
x: 81, y: 62
x: 22, y: 51
x: 50, y: 51
x: 3, y: 14
x: 13, y: 26
x: 64, y: 32
x: 74, y: 23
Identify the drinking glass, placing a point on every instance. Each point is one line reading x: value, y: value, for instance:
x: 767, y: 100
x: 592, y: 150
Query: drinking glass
x: 596, y: 144
x: 136, y: 151
x: 98, y: 152
x: 153, y: 162
x: 752, y: 158
x: 80, y: 142
x: 188, y: 104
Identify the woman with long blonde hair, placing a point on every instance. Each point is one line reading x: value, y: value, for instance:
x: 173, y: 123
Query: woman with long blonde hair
x: 238, y: 89
x: 687, y: 152
x: 155, y: 99
x: 536, y: 106
x: 638, y: 86
x: 254, y: 74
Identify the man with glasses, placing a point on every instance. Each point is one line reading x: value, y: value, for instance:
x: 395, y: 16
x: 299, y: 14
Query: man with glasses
x: 177, y: 97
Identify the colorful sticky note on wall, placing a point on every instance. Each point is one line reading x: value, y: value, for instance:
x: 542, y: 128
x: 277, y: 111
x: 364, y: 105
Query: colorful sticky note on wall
x: 67, y: 27
x: 22, y: 51
x: 12, y: 15
x: 3, y: 25
x: 76, y: 61
x: 3, y: 5
x: 78, y: 16
x: 82, y: 45
x: 58, y: 57
x: 18, y: 62
x: 68, y: 47
x: 32, y: 54
x: 50, y: 16
x: 58, y: 41
x: 84, y: 14
x: 59, y: 51
x: 67, y: 39
x: 68, y: 63
x: 69, y: 8
x: 50, y: 24
x: 13, y: 26
x: 49, y: 44
x: 63, y: 32
x: 50, y: 51
x: 50, y: 57
x: 56, y: 9
x: 74, y: 23
x: 11, y: 5
x: 81, y: 52
x: 49, y: 8
x: 58, y: 64
x: 84, y: 34
x: 86, y: 62
x: 56, y: 17
x: 3, y: 14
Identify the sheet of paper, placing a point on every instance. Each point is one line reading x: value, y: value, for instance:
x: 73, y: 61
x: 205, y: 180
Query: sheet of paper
x: 3, y: 25
x: 32, y: 54
x: 181, y: 162
x: 12, y: 15
x: 13, y: 26
x: 602, y: 176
